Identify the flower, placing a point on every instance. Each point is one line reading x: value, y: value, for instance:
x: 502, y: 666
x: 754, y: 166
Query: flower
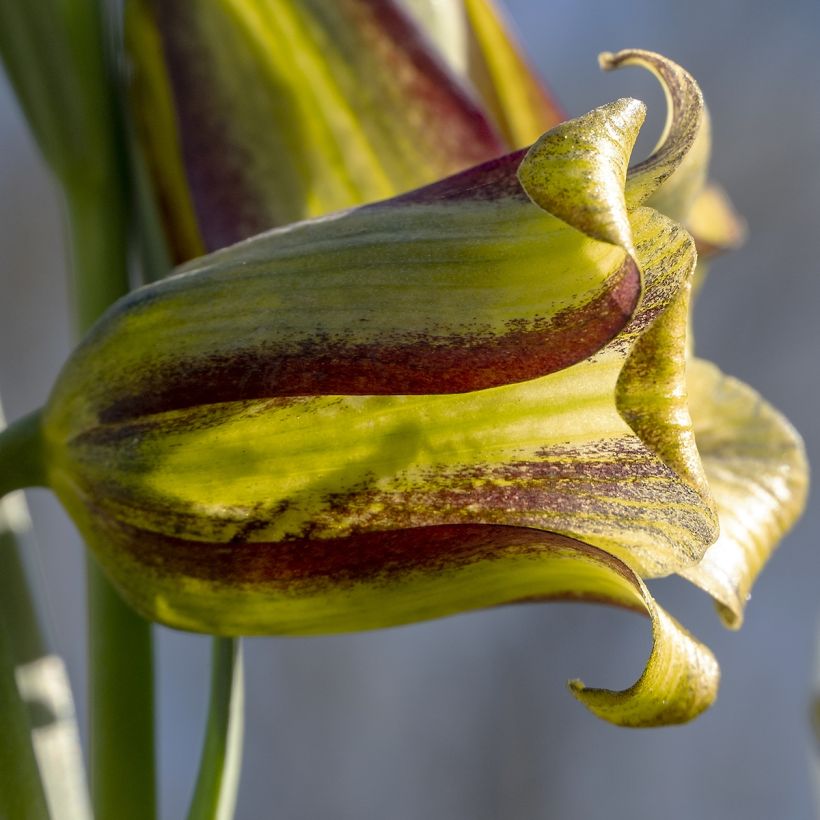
x: 255, y: 114
x: 471, y: 394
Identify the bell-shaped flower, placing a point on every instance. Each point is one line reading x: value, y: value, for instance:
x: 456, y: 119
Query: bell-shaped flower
x: 757, y: 470
x: 469, y: 395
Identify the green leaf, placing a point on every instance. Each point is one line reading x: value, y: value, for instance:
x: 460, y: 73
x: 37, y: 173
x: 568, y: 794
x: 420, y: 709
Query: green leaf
x: 53, y: 58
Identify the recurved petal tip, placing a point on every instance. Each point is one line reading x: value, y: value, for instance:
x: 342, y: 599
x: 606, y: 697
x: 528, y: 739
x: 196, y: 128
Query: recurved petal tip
x: 683, y: 124
x: 606, y: 60
x: 680, y: 681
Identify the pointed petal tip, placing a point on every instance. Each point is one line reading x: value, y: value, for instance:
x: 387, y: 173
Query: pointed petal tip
x: 577, y: 171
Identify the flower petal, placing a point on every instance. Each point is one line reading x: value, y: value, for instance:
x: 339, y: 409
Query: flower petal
x: 685, y: 121
x: 445, y: 23
x: 552, y: 452
x: 679, y: 682
x: 287, y: 110
x: 757, y: 470
x: 509, y: 87
x: 713, y: 223
x: 491, y: 290
x: 374, y: 581
x: 155, y: 120
x: 577, y: 171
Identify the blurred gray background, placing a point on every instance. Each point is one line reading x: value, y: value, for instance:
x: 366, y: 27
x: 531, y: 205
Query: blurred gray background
x: 469, y: 717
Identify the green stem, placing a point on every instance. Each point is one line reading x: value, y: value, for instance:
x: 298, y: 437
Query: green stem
x: 21, y: 462
x: 121, y: 697
x: 121, y: 700
x: 42, y: 686
x: 22, y: 792
x: 57, y: 59
x: 218, y: 780
x: 17, y: 602
x: 99, y: 253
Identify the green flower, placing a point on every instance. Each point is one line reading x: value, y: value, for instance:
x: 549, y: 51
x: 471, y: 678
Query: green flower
x: 472, y: 394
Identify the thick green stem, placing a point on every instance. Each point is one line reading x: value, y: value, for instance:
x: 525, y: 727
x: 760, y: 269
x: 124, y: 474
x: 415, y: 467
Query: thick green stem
x: 219, y: 767
x: 121, y: 703
x: 123, y: 778
x: 21, y: 462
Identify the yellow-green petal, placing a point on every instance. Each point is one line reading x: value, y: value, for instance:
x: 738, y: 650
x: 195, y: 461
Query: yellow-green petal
x: 509, y: 87
x: 156, y: 122
x: 713, y: 222
x: 287, y: 110
x: 680, y: 680
x: 756, y: 465
x: 577, y: 171
x: 404, y: 577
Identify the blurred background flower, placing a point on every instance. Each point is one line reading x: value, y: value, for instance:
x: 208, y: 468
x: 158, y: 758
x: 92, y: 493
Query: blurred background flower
x: 460, y: 719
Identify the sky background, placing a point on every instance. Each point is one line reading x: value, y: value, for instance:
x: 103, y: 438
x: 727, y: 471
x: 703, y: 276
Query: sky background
x: 469, y: 717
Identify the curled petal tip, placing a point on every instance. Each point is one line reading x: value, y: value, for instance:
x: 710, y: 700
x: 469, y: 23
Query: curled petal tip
x: 577, y: 171
x: 606, y: 60
x: 684, y: 122
x: 680, y: 681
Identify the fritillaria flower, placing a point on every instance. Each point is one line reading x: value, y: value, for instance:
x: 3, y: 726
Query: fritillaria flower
x: 475, y: 393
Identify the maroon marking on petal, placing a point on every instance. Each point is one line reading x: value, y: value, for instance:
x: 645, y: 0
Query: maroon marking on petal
x: 231, y: 201
x: 492, y: 180
x: 377, y: 556
x: 422, y: 366
x: 460, y: 130
x: 227, y: 200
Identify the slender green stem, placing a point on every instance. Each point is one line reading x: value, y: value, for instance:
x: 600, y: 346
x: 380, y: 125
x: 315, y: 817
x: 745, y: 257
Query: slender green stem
x: 218, y: 780
x: 121, y: 696
x: 22, y: 793
x: 17, y: 602
x: 42, y: 683
x: 21, y: 463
